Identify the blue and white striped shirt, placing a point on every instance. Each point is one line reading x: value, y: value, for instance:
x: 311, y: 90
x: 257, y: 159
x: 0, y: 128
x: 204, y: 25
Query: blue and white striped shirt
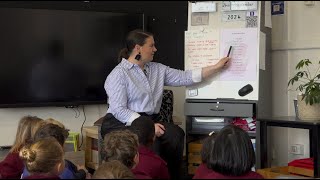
x: 130, y: 90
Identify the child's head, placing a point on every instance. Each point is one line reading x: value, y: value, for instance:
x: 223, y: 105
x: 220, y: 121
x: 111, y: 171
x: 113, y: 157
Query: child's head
x: 43, y: 156
x: 113, y: 170
x: 207, y: 146
x: 122, y: 145
x: 27, y: 127
x: 52, y: 130
x: 232, y: 153
x: 53, y: 121
x: 144, y: 128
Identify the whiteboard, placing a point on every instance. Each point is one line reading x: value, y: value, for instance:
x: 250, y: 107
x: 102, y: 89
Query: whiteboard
x: 205, y: 44
x: 205, y: 47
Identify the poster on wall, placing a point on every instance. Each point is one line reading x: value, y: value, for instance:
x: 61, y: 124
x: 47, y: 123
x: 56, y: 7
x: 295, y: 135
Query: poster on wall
x: 277, y: 7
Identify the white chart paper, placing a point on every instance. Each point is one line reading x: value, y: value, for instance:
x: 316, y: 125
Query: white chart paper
x: 244, y: 42
x: 201, y: 48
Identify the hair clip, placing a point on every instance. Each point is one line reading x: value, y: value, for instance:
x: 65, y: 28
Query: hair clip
x: 212, y: 132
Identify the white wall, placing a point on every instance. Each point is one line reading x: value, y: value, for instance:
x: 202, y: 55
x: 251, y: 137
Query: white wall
x: 295, y: 35
x: 9, y: 117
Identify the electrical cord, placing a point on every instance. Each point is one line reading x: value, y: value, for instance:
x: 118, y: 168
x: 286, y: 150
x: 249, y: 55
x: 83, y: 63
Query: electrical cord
x: 85, y: 118
x: 77, y: 112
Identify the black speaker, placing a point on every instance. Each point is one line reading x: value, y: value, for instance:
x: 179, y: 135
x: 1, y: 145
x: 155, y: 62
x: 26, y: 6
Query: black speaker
x: 245, y: 90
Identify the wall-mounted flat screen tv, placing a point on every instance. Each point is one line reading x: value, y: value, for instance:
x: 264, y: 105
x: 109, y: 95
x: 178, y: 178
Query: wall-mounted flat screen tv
x: 59, y: 57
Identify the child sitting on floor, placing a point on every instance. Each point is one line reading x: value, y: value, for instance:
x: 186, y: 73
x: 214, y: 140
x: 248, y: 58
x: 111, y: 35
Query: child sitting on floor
x: 12, y: 166
x: 122, y: 145
x: 230, y: 155
x: 149, y: 162
x: 60, y: 134
x: 44, y: 159
x: 113, y: 170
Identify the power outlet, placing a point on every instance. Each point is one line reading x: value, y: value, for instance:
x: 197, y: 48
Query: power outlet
x: 296, y: 149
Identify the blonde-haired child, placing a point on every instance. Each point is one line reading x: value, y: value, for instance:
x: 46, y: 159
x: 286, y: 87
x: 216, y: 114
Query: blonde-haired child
x: 44, y: 159
x: 12, y: 166
x: 113, y: 169
x: 54, y: 128
x: 56, y: 122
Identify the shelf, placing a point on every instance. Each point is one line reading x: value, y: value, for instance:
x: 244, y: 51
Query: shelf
x: 206, y: 132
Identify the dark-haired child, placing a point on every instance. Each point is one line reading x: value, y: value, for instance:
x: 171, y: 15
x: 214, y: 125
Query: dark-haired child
x: 149, y: 162
x: 229, y: 155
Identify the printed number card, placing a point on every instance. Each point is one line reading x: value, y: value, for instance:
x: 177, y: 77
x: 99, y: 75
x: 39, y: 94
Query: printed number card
x: 230, y: 16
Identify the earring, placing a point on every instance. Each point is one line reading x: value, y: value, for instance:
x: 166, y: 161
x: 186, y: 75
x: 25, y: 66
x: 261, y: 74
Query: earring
x: 138, y: 57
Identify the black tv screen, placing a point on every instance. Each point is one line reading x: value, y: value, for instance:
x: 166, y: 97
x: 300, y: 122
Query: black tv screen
x: 59, y: 57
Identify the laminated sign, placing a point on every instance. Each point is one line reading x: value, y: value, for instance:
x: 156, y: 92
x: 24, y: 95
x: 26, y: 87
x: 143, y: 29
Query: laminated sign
x: 243, y: 5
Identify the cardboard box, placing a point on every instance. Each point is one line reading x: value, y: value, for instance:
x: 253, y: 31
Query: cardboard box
x: 192, y: 168
x: 275, y: 172
x: 194, y: 156
x: 195, y: 146
x: 303, y: 167
x: 301, y: 171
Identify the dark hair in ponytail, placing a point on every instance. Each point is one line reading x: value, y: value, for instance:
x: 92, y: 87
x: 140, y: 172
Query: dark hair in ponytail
x: 124, y: 53
x: 134, y: 37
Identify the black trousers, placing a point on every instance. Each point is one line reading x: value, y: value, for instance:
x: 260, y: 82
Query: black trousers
x: 169, y: 146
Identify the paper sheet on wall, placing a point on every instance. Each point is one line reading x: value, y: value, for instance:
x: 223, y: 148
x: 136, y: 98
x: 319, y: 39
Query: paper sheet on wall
x: 201, y: 48
x: 225, y: 6
x: 262, y: 51
x: 267, y: 14
x: 244, y: 42
x: 209, y: 6
x: 199, y: 18
x: 243, y: 5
